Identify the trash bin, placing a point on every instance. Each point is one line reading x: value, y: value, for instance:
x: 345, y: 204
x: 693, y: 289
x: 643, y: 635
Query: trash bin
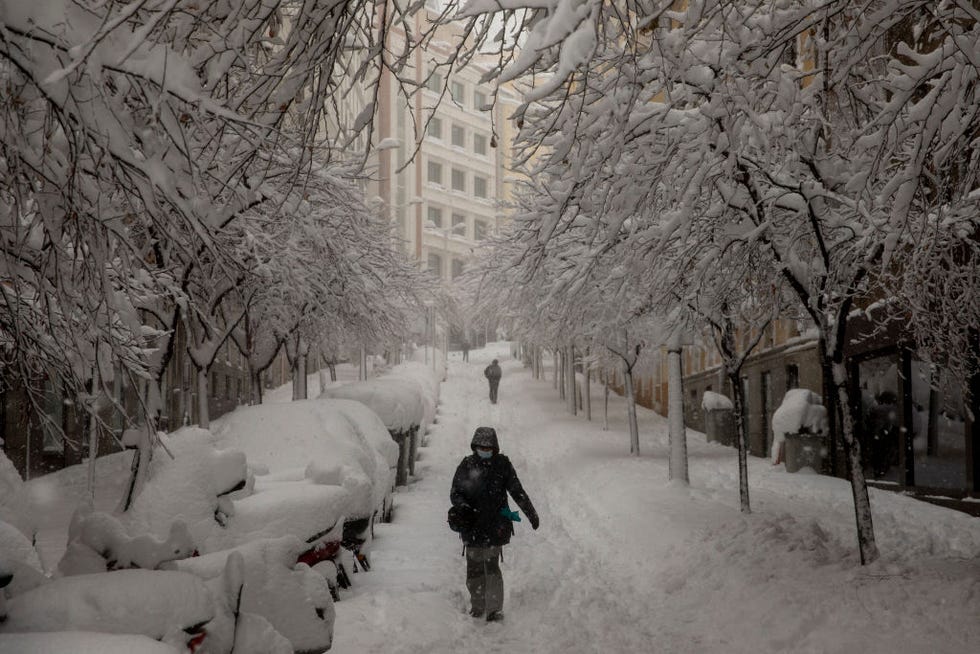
x: 719, y: 426
x: 805, y: 451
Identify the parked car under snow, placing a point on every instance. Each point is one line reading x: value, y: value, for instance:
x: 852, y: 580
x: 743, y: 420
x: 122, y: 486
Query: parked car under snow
x: 400, y: 405
x: 331, y: 443
x: 173, y: 607
x: 74, y: 642
x: 200, y: 500
x: 294, y: 599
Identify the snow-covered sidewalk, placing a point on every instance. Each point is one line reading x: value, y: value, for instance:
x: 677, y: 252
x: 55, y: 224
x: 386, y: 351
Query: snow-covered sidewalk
x: 626, y: 562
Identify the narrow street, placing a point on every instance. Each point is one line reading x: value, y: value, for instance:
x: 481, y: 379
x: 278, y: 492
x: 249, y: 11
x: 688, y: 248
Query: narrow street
x: 625, y: 561
x: 558, y: 593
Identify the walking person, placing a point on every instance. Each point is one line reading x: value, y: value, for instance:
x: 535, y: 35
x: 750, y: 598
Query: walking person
x: 466, y: 350
x: 492, y: 373
x: 481, y: 514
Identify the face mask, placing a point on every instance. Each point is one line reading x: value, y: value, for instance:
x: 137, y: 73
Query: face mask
x: 484, y: 455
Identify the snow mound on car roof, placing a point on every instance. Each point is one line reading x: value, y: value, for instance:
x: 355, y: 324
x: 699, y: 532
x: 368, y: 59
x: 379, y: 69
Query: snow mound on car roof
x: 336, y: 441
x: 148, y: 602
x: 398, y: 402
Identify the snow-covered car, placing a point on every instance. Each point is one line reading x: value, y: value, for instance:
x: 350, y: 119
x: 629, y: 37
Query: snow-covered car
x: 400, y: 404
x: 428, y: 382
x: 16, y: 507
x: 175, y: 608
x: 82, y: 642
x: 294, y: 599
x: 20, y: 565
x: 199, y: 500
x: 329, y: 443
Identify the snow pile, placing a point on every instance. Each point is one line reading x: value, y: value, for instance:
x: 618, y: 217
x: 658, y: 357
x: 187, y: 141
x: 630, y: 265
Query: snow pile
x: 80, y: 642
x: 16, y: 507
x: 295, y: 600
x: 152, y: 603
x: 399, y: 403
x: 19, y: 558
x: 98, y: 542
x: 335, y: 441
x: 712, y: 401
x: 301, y: 509
x: 427, y: 379
x: 187, y: 487
x: 801, y: 411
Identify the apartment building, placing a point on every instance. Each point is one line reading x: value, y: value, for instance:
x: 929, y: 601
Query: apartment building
x: 442, y: 166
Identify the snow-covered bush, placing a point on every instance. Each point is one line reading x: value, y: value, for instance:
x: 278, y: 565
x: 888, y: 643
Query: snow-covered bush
x: 801, y: 412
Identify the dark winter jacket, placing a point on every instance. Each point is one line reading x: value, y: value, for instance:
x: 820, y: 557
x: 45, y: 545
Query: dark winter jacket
x: 483, y: 485
x: 492, y: 372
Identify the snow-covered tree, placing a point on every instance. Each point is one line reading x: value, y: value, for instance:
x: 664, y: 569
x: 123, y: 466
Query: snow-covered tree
x: 825, y: 135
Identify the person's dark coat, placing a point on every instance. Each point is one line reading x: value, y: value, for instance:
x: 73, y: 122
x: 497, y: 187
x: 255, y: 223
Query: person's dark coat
x: 492, y: 372
x: 483, y: 485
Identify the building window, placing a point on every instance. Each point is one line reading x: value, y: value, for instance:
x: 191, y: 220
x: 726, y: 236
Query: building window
x: 457, y: 268
x: 435, y: 216
x: 435, y: 173
x: 434, y: 82
x: 479, y: 100
x: 480, y: 144
x: 435, y: 264
x: 458, y: 136
x: 457, y: 91
x: 435, y: 128
x: 479, y: 230
x: 479, y: 186
x: 792, y: 376
x: 228, y: 387
x: 458, y: 219
x: 459, y: 180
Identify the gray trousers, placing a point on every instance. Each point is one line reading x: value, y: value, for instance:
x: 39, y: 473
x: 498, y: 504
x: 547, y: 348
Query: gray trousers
x: 494, y: 384
x: 484, y: 579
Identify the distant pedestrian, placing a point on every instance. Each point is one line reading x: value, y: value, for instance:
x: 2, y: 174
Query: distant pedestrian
x: 484, y: 520
x: 492, y: 373
x: 466, y: 350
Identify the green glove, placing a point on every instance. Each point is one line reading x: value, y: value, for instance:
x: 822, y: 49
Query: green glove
x: 510, y: 515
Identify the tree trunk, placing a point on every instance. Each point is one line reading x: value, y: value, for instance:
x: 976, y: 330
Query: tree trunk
x: 587, y: 392
x: 299, y: 378
x: 859, y: 486
x: 203, y: 418
x: 93, y: 431
x: 254, y: 385
x: 572, y: 401
x: 560, y: 383
x: 333, y: 371
x: 631, y: 411
x: 741, y: 438
x: 605, y: 411
x: 677, y: 468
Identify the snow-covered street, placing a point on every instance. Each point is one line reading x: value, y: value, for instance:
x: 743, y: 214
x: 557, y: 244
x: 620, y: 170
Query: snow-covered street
x: 624, y: 561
